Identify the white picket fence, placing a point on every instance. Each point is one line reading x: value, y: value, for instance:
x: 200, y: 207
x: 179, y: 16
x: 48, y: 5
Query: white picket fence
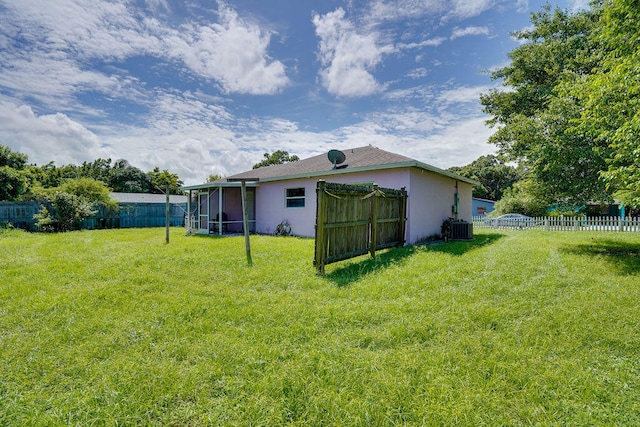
x: 559, y: 223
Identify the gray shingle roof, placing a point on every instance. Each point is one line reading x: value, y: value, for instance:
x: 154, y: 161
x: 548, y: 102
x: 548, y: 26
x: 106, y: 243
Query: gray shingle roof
x: 359, y: 159
x: 356, y: 158
x: 147, y: 198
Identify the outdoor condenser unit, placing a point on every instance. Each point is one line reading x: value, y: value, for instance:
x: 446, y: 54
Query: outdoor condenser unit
x: 461, y: 230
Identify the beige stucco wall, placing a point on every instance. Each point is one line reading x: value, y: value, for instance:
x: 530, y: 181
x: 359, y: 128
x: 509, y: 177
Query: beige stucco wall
x: 430, y: 199
x: 271, y: 208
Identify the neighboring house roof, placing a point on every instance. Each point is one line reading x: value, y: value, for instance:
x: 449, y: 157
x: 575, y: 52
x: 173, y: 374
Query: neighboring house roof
x: 483, y: 200
x: 147, y: 198
x: 360, y: 159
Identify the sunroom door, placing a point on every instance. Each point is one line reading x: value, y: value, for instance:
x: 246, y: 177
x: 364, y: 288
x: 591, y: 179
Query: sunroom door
x: 203, y: 213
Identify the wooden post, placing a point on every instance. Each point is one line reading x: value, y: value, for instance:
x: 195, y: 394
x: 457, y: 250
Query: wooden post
x: 320, y: 230
x: 166, y: 215
x: 374, y: 221
x: 402, y: 226
x: 188, y: 220
x: 245, y: 215
x: 220, y: 218
x: 245, y: 222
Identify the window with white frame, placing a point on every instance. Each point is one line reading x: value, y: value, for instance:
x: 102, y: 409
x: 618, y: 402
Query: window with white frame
x: 294, y: 197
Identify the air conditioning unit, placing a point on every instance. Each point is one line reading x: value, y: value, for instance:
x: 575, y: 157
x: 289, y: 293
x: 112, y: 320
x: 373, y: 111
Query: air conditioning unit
x: 461, y: 230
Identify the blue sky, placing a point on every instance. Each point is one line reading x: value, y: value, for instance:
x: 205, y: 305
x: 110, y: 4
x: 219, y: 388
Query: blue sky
x: 206, y: 87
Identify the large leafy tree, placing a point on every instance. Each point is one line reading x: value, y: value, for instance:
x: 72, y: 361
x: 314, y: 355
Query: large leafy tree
x: 100, y: 170
x: 532, y: 116
x: 524, y: 197
x: 160, y: 179
x: 493, y: 174
x: 126, y: 178
x: 12, y: 159
x: 13, y: 176
x: 276, y: 158
x: 611, y: 98
x: 13, y: 183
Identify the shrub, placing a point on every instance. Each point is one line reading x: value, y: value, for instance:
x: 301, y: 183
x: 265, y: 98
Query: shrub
x: 68, y: 212
x: 71, y: 203
x: 44, y: 221
x: 6, y: 226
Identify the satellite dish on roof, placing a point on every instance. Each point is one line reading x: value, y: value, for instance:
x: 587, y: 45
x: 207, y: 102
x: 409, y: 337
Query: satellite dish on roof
x: 336, y: 157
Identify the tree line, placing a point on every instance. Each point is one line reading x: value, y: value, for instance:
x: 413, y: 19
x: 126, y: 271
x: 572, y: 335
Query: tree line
x: 75, y: 191
x: 24, y: 181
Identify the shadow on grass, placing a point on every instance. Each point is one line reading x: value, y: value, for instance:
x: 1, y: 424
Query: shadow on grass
x: 354, y: 271
x: 625, y: 257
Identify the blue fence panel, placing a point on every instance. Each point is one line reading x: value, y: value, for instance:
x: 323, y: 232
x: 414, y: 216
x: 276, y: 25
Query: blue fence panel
x: 131, y: 215
x: 19, y: 214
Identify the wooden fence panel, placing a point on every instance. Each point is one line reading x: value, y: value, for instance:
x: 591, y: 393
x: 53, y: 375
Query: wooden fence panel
x: 389, y: 211
x: 352, y: 220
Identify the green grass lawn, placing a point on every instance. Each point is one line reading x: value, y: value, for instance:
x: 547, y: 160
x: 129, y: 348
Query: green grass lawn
x: 116, y: 327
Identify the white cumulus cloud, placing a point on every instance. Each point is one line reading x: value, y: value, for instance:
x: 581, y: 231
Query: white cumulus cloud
x: 49, y: 137
x: 233, y: 52
x: 347, y: 56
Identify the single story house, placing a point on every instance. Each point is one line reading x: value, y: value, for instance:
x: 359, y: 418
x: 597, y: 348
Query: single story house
x: 287, y: 192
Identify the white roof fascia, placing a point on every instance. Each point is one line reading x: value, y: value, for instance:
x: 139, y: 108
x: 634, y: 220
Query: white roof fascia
x: 218, y: 184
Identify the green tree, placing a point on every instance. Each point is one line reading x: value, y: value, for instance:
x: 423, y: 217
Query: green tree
x: 12, y: 159
x: 493, y: 174
x: 276, y: 158
x: 611, y: 98
x: 161, y: 179
x: 525, y: 197
x: 99, y: 169
x: 125, y: 178
x: 13, y: 183
x: 91, y: 190
x: 72, y: 202
x: 534, y: 119
x: 13, y: 180
x: 48, y: 176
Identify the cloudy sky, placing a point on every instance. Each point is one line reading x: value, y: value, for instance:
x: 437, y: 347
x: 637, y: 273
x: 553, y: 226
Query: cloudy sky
x: 206, y: 87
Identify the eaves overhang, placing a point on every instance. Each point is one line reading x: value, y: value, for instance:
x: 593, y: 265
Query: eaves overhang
x: 336, y: 172
x: 218, y: 184
x: 387, y: 166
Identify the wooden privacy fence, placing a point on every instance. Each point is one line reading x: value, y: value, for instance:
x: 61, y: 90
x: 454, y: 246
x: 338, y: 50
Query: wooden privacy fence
x: 561, y: 223
x: 352, y: 220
